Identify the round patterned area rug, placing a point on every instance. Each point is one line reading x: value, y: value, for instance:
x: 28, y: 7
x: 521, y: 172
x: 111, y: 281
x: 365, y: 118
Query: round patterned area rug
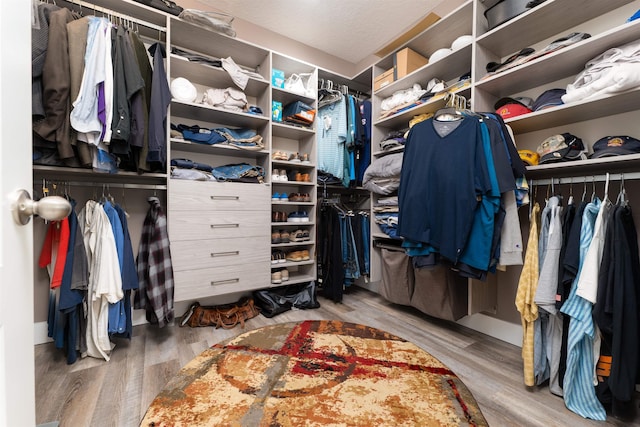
x: 315, y: 373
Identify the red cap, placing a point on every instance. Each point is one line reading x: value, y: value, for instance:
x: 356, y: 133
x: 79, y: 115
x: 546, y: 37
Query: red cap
x: 512, y: 110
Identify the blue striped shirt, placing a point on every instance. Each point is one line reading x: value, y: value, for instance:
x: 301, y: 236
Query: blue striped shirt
x: 578, y: 388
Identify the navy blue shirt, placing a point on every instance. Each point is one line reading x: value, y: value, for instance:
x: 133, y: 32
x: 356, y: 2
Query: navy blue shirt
x: 441, y: 180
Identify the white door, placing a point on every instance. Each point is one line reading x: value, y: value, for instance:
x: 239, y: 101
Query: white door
x: 17, y: 388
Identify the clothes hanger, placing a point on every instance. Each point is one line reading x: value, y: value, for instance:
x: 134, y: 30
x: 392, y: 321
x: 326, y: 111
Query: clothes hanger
x: 454, y: 106
x: 593, y: 183
x: 584, y: 189
x: 622, y: 193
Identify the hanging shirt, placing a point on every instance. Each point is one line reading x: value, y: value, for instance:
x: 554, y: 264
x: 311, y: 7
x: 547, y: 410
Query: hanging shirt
x: 442, y: 181
x: 160, y: 100
x: 54, y: 250
x: 578, y: 385
x: 331, y: 137
x: 524, y: 297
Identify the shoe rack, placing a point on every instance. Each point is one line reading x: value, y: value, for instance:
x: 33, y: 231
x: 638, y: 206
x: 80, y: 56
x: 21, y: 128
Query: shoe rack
x: 293, y: 182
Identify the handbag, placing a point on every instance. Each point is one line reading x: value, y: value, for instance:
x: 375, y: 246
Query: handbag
x: 224, y: 316
x: 275, y: 301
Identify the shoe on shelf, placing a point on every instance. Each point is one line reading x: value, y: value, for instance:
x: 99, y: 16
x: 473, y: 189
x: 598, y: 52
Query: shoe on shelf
x: 297, y: 176
x: 304, y: 216
x: 275, y: 175
x: 275, y: 257
x: 305, y: 197
x: 294, y: 158
x: 280, y: 155
x: 305, y: 235
x: 294, y: 197
x: 278, y: 216
x: 305, y: 177
x: 282, y: 257
x: 296, y: 236
x: 284, y: 197
x: 276, y: 238
x: 304, y: 158
x: 276, y: 197
x: 276, y: 277
x: 285, y: 236
x: 294, y: 217
x: 283, y: 175
x: 285, y: 274
x: 295, y: 256
x: 304, y: 255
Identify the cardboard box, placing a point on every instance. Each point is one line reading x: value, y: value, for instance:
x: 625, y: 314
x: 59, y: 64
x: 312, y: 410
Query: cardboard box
x: 276, y: 111
x: 277, y: 78
x: 406, y: 61
x: 383, y: 80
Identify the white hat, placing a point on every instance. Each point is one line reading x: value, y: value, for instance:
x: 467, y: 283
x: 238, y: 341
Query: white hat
x: 461, y: 42
x: 182, y: 90
x: 439, y: 54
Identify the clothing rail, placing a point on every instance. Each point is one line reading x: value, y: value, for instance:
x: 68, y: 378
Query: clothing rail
x: 110, y: 12
x: 586, y: 178
x: 62, y: 183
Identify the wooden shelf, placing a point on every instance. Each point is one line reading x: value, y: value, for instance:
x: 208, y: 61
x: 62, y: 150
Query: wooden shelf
x: 204, y: 113
x: 65, y: 173
x: 293, y: 244
x: 619, y: 164
x: 383, y: 153
x: 563, y: 63
x: 210, y: 76
x: 284, y: 130
x: 220, y: 149
x: 576, y: 112
x: 543, y: 21
x: 294, y: 279
x: 286, y: 97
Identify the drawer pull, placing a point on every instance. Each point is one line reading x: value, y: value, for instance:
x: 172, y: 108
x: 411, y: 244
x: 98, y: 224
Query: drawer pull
x: 225, y: 197
x: 225, y: 225
x: 224, y: 282
x: 214, y: 254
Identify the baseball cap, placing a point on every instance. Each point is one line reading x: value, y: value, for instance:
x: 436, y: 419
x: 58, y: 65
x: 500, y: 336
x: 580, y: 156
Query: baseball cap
x: 548, y: 98
x: 615, y: 146
x: 512, y: 107
x: 531, y: 158
x: 561, y: 148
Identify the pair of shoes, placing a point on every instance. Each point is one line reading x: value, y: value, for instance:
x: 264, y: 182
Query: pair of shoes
x: 281, y: 236
x: 278, y: 216
x: 279, y: 155
x: 302, y: 177
x: 277, y: 197
x: 279, y: 276
x: 299, y: 236
x: 305, y: 158
x: 279, y: 175
x: 294, y: 157
x: 299, y: 216
x: 297, y: 256
x: 299, y: 197
x: 278, y: 257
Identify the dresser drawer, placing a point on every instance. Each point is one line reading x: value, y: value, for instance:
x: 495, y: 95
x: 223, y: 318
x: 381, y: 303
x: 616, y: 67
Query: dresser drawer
x: 208, y: 282
x: 187, y: 195
x: 199, y: 225
x: 193, y: 255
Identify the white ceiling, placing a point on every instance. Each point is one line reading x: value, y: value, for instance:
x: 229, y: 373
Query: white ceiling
x: 347, y: 29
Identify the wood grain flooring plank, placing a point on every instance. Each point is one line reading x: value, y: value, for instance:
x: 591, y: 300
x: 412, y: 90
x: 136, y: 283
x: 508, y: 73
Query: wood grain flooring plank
x: 155, y: 378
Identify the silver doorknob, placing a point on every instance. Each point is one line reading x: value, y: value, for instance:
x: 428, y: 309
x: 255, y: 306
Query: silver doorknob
x: 51, y: 208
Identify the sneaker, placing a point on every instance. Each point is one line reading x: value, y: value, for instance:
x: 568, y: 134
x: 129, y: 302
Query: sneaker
x: 275, y: 175
x: 305, y: 235
x: 278, y: 216
x: 282, y: 257
x: 276, y: 277
x: 294, y: 197
x: 276, y: 238
x: 294, y: 158
x: 295, y: 256
x: 275, y: 257
x: 304, y: 255
x: 305, y: 158
x: 294, y: 217
x: 284, y: 236
x: 276, y: 197
x: 305, y: 177
x: 297, y: 236
x: 304, y: 217
x: 305, y: 197
x: 285, y: 274
x: 284, y: 197
x: 283, y: 175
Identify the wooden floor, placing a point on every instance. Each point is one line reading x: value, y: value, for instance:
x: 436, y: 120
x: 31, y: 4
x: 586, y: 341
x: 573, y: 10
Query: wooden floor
x: 96, y: 393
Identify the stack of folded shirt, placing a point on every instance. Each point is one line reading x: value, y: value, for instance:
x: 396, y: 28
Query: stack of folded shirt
x: 386, y: 215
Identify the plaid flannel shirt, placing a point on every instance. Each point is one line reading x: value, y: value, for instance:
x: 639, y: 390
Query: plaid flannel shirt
x: 155, y: 271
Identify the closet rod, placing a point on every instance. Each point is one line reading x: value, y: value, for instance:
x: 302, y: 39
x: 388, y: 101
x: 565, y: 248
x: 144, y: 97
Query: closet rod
x: 110, y: 12
x: 107, y: 184
x: 588, y: 178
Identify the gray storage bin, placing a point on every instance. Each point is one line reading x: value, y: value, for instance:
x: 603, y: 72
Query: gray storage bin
x: 440, y: 292
x: 397, y: 276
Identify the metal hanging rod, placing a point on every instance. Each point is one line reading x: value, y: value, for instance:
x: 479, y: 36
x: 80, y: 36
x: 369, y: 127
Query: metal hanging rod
x: 110, y: 12
x: 587, y: 178
x: 62, y: 182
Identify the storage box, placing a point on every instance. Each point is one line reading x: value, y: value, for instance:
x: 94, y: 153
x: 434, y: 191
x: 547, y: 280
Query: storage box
x: 298, y: 112
x: 276, y: 111
x: 277, y: 78
x: 383, y: 80
x: 406, y: 61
